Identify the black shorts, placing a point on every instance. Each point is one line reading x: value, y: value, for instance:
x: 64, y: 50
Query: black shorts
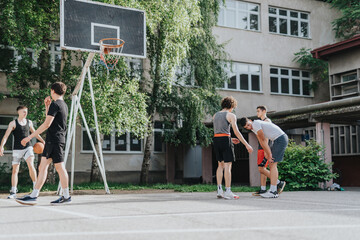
x: 224, y: 149
x: 55, y: 151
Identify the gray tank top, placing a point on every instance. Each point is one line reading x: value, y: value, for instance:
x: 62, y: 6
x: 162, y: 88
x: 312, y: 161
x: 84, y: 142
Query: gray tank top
x: 221, y: 125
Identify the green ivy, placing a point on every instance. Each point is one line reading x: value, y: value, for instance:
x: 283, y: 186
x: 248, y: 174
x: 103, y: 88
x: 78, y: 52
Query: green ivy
x: 318, y: 68
x: 303, y: 167
x: 348, y: 24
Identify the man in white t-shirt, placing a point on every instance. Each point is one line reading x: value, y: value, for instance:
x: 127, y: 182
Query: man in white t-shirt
x: 264, y: 131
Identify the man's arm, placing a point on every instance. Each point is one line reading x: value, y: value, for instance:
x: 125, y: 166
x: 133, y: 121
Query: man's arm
x: 234, y: 126
x: 32, y: 130
x: 264, y: 144
x: 6, y: 136
x: 49, y: 119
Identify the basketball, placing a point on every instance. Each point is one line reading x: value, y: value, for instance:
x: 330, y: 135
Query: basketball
x: 38, y: 147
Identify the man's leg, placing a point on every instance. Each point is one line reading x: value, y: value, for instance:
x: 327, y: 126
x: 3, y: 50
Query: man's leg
x: 64, y: 181
x: 63, y: 175
x: 14, y: 180
x: 14, y: 176
x: 43, y: 171
x: 263, y: 178
x: 228, y: 193
x: 32, y: 170
x: 219, y: 178
x: 228, y: 174
x: 274, y: 174
x: 219, y: 172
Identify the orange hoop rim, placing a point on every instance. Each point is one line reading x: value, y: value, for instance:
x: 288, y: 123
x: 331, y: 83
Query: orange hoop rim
x: 122, y: 42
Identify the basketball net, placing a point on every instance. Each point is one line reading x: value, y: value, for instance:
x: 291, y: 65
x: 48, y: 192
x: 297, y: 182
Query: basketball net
x: 110, y: 50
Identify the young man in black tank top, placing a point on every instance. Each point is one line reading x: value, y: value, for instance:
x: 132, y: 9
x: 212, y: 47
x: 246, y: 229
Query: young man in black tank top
x: 20, y: 128
x: 55, y: 124
x: 223, y: 145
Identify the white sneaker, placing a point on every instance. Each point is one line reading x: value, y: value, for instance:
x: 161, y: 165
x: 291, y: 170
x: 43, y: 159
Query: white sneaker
x: 220, y: 193
x: 229, y: 195
x: 12, y: 195
x: 270, y: 194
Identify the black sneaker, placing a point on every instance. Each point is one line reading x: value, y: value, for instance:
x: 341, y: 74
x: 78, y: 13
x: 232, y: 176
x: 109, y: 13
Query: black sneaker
x: 27, y: 200
x: 259, y: 192
x: 61, y: 200
x: 280, y: 186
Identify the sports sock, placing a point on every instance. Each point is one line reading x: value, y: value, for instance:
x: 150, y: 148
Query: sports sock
x: 228, y: 189
x: 219, y: 187
x: 66, y: 193
x: 35, y: 193
x: 13, y: 189
x: 273, y: 188
x: 278, y: 181
x: 263, y: 187
x: 34, y: 183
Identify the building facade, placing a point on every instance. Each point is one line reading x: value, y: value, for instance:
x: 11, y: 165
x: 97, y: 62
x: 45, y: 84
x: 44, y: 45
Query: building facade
x: 261, y: 38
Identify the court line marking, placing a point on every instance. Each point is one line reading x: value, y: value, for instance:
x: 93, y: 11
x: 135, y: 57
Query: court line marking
x: 53, y: 209
x: 93, y: 217
x: 313, y: 203
x: 194, y: 230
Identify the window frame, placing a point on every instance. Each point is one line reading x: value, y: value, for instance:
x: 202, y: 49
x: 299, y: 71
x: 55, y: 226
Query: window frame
x: 5, y: 127
x: 112, y: 144
x: 290, y: 78
x: 237, y: 73
x: 289, y: 18
x: 225, y: 8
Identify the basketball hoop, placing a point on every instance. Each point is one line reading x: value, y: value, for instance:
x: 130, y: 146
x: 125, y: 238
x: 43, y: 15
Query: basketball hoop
x: 110, y: 50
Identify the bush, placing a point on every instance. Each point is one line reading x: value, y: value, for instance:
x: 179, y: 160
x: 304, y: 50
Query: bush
x: 303, y: 167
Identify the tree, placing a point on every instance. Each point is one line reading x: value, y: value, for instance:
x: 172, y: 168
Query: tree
x: 179, y: 38
x: 348, y: 24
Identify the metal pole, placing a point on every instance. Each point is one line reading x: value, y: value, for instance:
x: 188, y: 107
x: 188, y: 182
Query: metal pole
x: 73, y: 159
x: 96, y: 122
x: 94, y: 149
x: 74, y: 109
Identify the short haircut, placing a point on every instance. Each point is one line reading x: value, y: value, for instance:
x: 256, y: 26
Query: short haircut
x: 59, y: 88
x: 243, y: 121
x: 228, y: 102
x: 262, y: 108
x: 20, y: 107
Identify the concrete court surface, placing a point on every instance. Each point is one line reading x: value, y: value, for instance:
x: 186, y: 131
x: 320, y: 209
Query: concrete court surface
x: 294, y: 215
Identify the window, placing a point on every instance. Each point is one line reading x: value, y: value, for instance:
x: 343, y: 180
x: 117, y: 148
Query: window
x: 244, y: 77
x: 238, y: 14
x: 289, y: 22
x: 345, y: 139
x: 289, y: 81
x: 55, y: 56
x: 113, y: 143
x: 11, y: 56
x: 345, y: 85
x: 159, y: 145
x: 4, y: 123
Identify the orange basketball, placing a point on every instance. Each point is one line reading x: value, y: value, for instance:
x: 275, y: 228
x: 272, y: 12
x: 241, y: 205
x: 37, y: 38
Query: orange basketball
x: 38, y: 147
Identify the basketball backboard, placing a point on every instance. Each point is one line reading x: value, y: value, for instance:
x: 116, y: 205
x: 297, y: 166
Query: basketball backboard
x: 84, y: 23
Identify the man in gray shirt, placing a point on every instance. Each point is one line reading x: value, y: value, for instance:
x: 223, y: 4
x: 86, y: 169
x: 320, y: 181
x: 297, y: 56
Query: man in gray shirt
x: 264, y: 131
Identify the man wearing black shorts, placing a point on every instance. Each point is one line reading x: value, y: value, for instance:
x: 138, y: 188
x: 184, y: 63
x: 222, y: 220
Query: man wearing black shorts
x: 55, y: 123
x: 223, y: 145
